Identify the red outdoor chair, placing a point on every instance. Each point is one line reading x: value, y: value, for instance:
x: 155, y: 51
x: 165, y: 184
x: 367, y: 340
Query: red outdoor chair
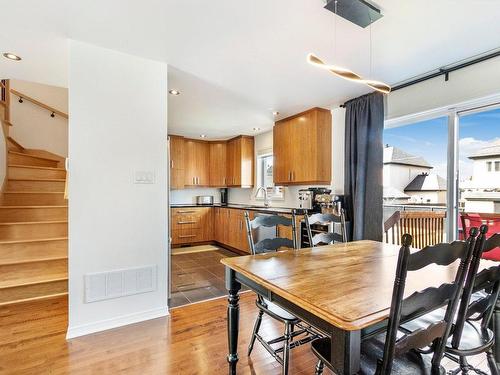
x: 469, y: 220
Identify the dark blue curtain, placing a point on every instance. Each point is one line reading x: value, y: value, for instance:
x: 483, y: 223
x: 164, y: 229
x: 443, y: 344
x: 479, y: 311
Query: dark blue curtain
x: 364, y: 124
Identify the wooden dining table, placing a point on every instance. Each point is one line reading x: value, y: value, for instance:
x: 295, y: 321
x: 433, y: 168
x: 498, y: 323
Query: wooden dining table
x: 343, y: 290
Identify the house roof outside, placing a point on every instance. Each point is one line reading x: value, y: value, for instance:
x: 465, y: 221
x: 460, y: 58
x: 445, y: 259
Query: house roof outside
x: 394, y: 155
x: 487, y: 152
x: 391, y: 192
x: 427, y: 182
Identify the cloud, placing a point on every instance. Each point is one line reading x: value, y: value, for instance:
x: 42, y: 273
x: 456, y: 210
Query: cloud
x: 469, y: 145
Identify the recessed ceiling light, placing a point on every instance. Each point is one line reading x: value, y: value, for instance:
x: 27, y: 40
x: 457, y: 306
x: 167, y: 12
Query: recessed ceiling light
x: 276, y: 113
x: 203, y: 136
x: 174, y: 92
x: 11, y: 56
x: 256, y: 129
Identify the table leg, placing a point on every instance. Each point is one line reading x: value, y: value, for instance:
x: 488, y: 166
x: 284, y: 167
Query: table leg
x: 346, y: 350
x: 233, y: 317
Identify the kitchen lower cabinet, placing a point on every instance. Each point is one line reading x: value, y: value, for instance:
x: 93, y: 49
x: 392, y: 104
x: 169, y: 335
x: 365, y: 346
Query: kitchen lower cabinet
x: 191, y: 225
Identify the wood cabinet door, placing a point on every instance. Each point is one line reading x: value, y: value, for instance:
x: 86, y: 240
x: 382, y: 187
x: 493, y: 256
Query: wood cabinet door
x: 176, y: 162
x: 246, y: 162
x: 282, y: 151
x: 206, y: 226
x: 196, y: 163
x: 230, y: 156
x: 302, y: 134
x: 218, y: 168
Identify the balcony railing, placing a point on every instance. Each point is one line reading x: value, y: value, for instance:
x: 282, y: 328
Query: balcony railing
x: 426, y: 227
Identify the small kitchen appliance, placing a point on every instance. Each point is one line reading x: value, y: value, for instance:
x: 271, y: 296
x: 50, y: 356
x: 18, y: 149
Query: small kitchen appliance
x: 223, y: 197
x: 204, y: 200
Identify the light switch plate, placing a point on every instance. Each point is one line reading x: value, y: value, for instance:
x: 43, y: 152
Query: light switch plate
x: 144, y: 177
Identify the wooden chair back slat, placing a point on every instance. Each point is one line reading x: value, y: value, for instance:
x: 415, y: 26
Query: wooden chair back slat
x: 426, y: 300
x: 270, y: 244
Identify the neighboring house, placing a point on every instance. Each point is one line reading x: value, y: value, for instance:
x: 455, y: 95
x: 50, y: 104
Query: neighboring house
x: 482, y: 192
x: 427, y: 188
x: 407, y: 179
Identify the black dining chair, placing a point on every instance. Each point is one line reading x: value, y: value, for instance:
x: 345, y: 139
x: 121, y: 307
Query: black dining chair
x: 395, y: 353
x: 470, y: 334
x: 329, y: 219
x: 291, y: 322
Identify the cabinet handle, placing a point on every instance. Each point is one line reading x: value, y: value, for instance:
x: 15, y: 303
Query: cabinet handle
x: 197, y: 180
x: 185, y: 212
x: 193, y: 180
x: 224, y: 181
x: 171, y: 164
x: 293, y: 176
x: 186, y: 222
x: 289, y: 176
x: 188, y: 236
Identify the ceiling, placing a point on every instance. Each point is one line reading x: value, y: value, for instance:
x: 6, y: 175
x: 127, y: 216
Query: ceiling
x: 237, y: 61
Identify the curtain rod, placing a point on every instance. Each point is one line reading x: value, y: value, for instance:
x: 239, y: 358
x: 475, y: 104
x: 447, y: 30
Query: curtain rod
x: 444, y: 71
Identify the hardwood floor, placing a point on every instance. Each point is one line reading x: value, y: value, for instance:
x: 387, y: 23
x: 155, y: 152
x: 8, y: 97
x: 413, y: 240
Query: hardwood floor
x: 192, y: 340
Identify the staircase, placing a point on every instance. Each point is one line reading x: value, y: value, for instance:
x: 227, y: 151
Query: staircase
x: 33, y: 227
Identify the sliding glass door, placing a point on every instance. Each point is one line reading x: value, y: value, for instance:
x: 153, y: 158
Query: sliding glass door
x: 479, y: 169
x: 442, y: 174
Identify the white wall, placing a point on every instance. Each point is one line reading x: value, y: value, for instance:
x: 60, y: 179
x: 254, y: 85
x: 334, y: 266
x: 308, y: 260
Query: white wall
x: 482, y: 178
x: 399, y: 176
x: 188, y: 196
x: 118, y: 125
x: 476, y: 81
x: 264, y: 143
x: 32, y: 125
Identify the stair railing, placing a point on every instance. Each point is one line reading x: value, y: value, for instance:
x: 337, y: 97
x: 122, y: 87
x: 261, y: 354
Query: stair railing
x: 53, y: 111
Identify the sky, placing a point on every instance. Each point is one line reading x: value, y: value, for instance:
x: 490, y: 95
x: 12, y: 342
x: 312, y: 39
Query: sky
x: 429, y: 139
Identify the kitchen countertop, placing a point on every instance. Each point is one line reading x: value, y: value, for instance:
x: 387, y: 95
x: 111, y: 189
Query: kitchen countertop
x: 281, y: 210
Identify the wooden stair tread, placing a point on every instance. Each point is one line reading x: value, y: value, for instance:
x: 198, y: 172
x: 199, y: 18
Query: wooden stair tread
x: 39, y: 298
x: 35, y: 222
x: 36, y: 167
x: 32, y: 206
x: 31, y: 260
x: 38, y: 179
x: 32, y: 192
x: 32, y: 156
x: 34, y: 240
x: 33, y: 280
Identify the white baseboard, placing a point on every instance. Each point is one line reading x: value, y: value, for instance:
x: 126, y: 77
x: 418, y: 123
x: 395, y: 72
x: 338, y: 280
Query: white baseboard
x: 119, y: 321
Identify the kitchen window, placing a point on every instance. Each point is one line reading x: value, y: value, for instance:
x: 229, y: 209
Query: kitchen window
x: 489, y: 166
x: 265, y: 178
x: 497, y: 166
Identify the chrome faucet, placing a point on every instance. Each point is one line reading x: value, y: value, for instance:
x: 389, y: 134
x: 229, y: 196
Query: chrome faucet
x: 267, y: 202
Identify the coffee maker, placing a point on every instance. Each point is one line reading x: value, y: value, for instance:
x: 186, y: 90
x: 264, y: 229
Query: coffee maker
x: 309, y: 199
x: 223, y: 197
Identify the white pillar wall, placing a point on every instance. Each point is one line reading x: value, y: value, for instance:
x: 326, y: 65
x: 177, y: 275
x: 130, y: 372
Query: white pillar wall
x: 118, y: 126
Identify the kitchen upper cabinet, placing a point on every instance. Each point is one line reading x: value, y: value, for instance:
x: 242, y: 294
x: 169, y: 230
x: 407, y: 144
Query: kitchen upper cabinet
x: 302, y: 148
x: 196, y: 163
x: 176, y: 162
x: 218, y: 170
x: 240, y: 162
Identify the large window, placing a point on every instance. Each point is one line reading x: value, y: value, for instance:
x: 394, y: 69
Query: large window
x: 448, y: 162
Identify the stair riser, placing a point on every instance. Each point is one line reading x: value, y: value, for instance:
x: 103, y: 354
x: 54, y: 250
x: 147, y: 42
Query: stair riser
x: 32, y: 291
x: 30, y: 160
x: 42, y: 268
x: 11, y: 232
x: 12, y: 215
x: 13, y: 146
x: 33, y: 199
x: 25, y: 251
x: 15, y: 185
x: 19, y: 172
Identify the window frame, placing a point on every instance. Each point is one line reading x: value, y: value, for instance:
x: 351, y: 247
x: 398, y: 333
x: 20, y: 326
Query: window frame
x: 453, y: 113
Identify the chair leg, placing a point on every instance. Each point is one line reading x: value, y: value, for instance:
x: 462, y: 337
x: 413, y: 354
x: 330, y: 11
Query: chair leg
x: 319, y: 368
x: 256, y: 328
x: 286, y: 349
x: 492, y: 364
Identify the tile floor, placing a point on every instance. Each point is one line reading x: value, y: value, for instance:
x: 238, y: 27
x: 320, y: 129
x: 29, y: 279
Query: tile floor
x: 198, y: 276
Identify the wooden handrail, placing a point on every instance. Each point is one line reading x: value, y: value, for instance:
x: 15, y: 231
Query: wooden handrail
x: 40, y: 104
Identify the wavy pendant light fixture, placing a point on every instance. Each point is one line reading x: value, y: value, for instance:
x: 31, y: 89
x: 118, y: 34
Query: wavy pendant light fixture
x: 346, y: 73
